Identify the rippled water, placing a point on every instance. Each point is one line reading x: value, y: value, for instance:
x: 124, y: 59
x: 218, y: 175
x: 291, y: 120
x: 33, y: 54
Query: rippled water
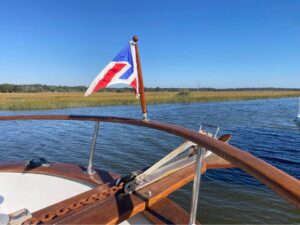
x: 263, y: 127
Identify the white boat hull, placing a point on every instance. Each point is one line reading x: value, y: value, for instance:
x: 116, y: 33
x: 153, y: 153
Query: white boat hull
x: 35, y: 191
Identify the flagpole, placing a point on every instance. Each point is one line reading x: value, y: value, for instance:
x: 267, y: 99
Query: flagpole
x: 140, y: 81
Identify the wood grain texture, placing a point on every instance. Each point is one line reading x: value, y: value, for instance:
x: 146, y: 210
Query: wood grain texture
x: 214, y: 161
x: 167, y: 212
x: 140, y: 77
x: 64, y: 170
x: 282, y: 183
x: 120, y: 207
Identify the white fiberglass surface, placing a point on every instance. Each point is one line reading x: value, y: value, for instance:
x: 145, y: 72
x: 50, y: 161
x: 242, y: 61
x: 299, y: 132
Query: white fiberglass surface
x: 35, y: 191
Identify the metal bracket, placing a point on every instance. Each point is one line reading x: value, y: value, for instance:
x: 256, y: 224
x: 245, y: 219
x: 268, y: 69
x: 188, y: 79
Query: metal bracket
x: 18, y: 217
x: 163, y: 166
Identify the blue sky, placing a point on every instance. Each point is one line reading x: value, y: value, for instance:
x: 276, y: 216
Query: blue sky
x: 220, y: 44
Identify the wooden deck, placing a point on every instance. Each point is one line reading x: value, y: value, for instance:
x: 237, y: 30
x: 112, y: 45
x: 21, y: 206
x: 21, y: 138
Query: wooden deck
x: 216, y: 162
x: 65, y: 170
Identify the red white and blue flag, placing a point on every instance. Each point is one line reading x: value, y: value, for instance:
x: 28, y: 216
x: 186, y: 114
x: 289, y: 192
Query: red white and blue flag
x: 121, y: 70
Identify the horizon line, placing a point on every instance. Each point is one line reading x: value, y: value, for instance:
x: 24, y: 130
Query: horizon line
x: 157, y: 87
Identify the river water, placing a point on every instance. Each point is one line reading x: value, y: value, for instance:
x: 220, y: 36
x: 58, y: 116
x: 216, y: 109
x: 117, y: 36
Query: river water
x: 263, y: 127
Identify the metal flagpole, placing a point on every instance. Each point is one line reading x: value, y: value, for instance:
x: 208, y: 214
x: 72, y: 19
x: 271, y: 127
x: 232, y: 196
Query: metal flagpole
x: 140, y: 79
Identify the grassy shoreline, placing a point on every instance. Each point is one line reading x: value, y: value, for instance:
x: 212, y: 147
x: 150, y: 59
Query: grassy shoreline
x: 35, y: 101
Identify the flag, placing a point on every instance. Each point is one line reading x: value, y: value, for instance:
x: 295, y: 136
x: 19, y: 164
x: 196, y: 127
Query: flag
x: 121, y: 70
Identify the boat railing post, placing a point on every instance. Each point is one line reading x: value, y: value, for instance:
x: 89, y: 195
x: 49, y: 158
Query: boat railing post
x: 299, y: 108
x: 90, y: 169
x: 196, y: 184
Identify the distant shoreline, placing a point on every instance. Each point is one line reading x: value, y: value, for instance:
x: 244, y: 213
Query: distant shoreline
x: 61, y: 100
x: 38, y: 88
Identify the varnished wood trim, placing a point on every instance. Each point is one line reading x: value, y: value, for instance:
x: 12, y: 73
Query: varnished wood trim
x: 140, y: 76
x: 214, y: 161
x: 167, y: 212
x: 119, y: 207
x: 64, y: 170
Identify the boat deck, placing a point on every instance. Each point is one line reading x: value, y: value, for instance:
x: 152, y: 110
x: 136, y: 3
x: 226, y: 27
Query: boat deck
x: 50, y: 180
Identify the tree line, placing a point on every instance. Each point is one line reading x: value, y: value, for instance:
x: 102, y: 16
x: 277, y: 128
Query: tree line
x: 32, y: 88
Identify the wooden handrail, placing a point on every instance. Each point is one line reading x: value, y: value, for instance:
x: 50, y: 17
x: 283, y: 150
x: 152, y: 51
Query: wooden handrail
x: 282, y: 183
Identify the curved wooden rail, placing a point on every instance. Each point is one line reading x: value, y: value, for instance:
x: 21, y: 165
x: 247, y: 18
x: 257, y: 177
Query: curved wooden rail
x: 282, y: 183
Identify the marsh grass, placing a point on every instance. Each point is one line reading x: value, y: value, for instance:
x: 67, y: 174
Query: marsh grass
x: 31, y: 101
